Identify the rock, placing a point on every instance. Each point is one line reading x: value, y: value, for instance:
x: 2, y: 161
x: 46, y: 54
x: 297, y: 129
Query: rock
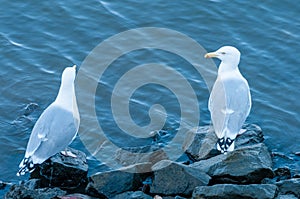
x: 139, y: 155
x: 76, y: 196
x: 232, y: 191
x: 2, y: 185
x: 30, y: 108
x: 64, y: 172
x: 172, y: 197
x: 171, y: 178
x: 22, y: 191
x: 200, y: 142
x: 283, y: 173
x: 289, y: 196
x: 114, y: 182
x: 33, y: 184
x: 289, y: 186
x: 253, y: 135
x: 296, y: 176
x: 132, y: 195
x: 246, y: 165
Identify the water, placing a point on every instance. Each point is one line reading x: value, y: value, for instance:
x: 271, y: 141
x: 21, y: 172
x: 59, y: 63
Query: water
x: 39, y: 39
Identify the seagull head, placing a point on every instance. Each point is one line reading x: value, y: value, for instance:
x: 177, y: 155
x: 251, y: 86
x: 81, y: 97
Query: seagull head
x: 69, y: 74
x: 227, y: 54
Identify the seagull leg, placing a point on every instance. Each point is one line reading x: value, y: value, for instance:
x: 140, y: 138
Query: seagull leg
x: 221, y: 145
x: 68, y: 153
x: 229, y: 144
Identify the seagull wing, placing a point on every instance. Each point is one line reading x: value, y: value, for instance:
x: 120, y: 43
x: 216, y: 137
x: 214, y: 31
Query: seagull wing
x: 53, y: 132
x: 229, y: 105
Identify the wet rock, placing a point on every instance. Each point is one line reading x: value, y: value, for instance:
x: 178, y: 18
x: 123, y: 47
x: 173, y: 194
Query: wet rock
x: 246, y: 165
x: 253, y: 135
x: 2, y: 185
x: 283, y: 173
x: 172, y: 178
x: 200, y: 142
x: 172, y: 197
x: 30, y: 108
x: 114, y: 182
x: 139, y: 155
x: 23, y: 191
x: 33, y: 184
x: 76, y: 196
x: 296, y: 176
x: 232, y: 191
x: 132, y: 195
x: 288, y: 196
x: 65, y: 172
x: 291, y: 186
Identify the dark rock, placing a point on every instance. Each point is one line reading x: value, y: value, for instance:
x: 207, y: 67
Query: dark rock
x: 63, y: 171
x: 232, y: 191
x: 111, y: 183
x: 30, y: 108
x: 22, y: 191
x: 33, y: 184
x: 76, y: 196
x: 172, y: 197
x: 200, y: 142
x: 291, y: 186
x: 172, y: 178
x: 132, y: 195
x: 2, y: 185
x: 139, y: 155
x: 246, y: 165
x: 283, y: 173
x: 252, y: 135
x: 296, y: 176
x: 289, y: 196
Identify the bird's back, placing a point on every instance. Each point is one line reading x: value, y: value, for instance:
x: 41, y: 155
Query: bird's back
x: 48, y: 136
x: 229, y: 104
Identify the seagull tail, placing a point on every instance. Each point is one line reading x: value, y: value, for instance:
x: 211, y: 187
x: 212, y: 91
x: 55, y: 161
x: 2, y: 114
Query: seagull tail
x: 26, y: 166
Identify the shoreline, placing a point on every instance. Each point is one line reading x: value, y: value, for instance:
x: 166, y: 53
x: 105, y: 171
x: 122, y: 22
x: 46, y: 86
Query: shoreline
x: 247, y: 172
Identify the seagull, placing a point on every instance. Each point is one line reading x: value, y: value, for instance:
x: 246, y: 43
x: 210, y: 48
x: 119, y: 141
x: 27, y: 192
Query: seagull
x: 56, y: 128
x: 230, y: 99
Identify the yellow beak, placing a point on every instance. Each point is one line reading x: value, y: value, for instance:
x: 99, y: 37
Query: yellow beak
x: 210, y: 55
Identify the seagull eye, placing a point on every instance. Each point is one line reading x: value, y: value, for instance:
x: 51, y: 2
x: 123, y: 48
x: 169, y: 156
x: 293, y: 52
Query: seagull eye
x: 223, y: 53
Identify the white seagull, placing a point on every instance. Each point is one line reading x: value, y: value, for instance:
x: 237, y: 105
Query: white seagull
x: 230, y: 100
x: 56, y: 127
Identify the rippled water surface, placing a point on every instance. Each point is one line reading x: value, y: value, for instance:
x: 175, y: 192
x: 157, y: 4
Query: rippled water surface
x: 39, y: 39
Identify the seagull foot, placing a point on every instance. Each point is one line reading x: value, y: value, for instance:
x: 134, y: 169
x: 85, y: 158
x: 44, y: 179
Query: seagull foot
x: 68, y: 154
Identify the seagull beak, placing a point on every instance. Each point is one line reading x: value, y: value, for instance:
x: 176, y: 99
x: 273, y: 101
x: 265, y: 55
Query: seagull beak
x: 210, y: 55
x: 74, y: 67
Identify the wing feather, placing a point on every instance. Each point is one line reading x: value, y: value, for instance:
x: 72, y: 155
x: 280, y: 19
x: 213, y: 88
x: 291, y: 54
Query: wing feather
x: 53, y: 132
x: 229, y: 105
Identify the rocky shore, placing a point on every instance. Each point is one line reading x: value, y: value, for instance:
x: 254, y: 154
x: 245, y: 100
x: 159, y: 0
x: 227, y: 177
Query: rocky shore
x: 245, y: 173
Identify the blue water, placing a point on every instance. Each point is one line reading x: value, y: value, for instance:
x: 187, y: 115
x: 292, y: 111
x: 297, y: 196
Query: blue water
x: 39, y: 39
